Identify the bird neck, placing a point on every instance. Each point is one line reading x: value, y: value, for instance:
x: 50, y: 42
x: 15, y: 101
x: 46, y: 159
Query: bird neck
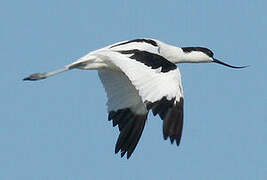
x: 182, y: 56
x: 178, y: 55
x: 171, y: 53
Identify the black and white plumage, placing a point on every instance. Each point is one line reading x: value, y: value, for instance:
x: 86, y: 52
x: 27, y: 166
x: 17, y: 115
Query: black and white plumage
x: 138, y: 76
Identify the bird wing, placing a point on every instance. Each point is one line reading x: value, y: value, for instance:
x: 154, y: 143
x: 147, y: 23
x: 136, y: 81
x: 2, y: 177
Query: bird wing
x: 150, y: 45
x: 158, y: 82
x: 125, y: 108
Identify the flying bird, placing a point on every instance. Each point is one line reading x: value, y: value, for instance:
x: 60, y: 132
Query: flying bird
x: 138, y: 76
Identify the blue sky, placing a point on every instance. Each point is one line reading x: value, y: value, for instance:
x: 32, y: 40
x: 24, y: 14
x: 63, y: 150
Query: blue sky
x: 58, y: 128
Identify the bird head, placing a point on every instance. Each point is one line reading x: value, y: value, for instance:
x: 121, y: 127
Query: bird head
x: 201, y: 54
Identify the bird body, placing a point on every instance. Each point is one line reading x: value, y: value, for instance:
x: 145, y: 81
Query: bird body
x: 138, y: 76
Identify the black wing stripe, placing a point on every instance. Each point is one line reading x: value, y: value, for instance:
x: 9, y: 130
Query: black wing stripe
x: 161, y: 107
x: 171, y: 113
x: 133, y: 137
x: 118, y: 117
x: 124, y: 135
x: 150, y: 59
x: 131, y: 127
x: 173, y: 123
x: 128, y: 116
x: 136, y: 137
x: 149, y: 41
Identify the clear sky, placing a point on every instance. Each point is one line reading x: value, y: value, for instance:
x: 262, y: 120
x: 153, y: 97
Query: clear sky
x: 58, y: 129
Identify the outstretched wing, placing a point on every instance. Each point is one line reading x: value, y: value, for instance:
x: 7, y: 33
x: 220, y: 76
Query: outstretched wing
x: 125, y: 108
x: 158, y: 82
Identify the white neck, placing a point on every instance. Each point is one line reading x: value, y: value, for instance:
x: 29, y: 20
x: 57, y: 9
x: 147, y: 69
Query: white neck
x: 177, y: 55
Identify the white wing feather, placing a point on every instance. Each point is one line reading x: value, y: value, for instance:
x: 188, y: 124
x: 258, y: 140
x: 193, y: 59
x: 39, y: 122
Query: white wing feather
x: 120, y: 92
x: 151, y: 84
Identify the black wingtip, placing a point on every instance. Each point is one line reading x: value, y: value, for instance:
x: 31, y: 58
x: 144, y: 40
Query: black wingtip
x: 128, y: 155
x: 165, y: 136
x: 178, y: 142
x: 117, y: 149
x: 131, y: 126
x: 123, y: 153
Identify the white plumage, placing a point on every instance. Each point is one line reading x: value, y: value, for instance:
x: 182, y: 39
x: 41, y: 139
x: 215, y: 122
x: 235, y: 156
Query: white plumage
x: 138, y: 76
x: 120, y: 92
